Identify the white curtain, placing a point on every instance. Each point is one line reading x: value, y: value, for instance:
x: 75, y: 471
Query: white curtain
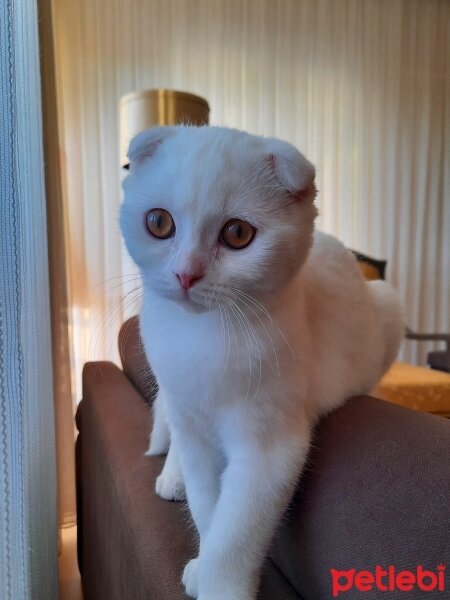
x: 28, y: 541
x: 360, y: 86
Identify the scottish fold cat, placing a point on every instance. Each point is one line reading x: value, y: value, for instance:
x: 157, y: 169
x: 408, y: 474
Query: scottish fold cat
x: 255, y: 325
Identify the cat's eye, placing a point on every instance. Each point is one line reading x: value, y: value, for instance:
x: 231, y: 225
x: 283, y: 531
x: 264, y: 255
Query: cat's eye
x: 237, y: 234
x: 160, y: 223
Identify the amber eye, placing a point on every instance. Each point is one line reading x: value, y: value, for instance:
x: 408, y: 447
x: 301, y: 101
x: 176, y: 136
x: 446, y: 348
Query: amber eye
x: 160, y: 223
x: 237, y: 234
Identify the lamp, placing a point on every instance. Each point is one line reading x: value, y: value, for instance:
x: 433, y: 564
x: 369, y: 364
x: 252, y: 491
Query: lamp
x: 143, y: 109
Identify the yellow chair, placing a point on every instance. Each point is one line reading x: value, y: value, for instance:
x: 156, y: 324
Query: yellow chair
x: 419, y: 388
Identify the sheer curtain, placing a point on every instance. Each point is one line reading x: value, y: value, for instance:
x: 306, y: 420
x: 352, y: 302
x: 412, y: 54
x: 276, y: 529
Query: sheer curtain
x: 28, y: 538
x: 360, y: 86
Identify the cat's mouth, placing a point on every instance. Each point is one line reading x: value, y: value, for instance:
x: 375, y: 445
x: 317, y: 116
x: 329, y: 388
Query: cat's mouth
x: 194, y: 300
x: 191, y: 300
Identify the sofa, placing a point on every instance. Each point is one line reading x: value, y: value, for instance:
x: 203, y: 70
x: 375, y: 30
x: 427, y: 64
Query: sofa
x: 376, y: 491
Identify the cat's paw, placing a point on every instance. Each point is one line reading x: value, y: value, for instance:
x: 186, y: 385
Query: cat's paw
x: 170, y: 487
x: 190, y: 578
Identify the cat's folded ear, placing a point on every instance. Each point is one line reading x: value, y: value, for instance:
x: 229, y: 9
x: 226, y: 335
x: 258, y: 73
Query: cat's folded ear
x: 291, y: 168
x: 145, y: 144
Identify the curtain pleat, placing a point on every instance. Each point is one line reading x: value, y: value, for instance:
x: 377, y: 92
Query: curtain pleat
x: 360, y: 86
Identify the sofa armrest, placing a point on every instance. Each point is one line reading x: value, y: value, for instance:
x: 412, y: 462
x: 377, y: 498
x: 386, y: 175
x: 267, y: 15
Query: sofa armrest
x: 376, y: 491
x: 130, y: 538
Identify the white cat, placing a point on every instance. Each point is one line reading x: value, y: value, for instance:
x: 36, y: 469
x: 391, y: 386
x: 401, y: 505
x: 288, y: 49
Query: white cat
x: 254, y: 326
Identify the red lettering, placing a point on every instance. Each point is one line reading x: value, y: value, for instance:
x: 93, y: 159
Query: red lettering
x: 441, y: 576
x: 337, y: 586
x: 405, y: 581
x: 364, y: 581
x: 391, y: 571
x: 379, y: 574
x: 421, y: 575
x: 388, y: 580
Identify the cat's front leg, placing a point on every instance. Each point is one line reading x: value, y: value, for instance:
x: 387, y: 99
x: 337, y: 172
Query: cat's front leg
x: 257, y: 486
x: 202, y: 465
x: 170, y: 483
x: 160, y: 435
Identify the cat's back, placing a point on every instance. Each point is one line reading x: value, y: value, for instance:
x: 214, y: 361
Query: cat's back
x: 339, y: 308
x: 347, y: 339
x: 328, y: 250
x: 332, y: 267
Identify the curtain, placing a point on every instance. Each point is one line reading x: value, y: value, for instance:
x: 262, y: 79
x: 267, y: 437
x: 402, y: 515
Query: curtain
x: 360, y: 86
x: 28, y: 547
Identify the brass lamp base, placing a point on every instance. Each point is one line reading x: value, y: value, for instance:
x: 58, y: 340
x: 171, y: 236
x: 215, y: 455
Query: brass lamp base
x: 147, y: 108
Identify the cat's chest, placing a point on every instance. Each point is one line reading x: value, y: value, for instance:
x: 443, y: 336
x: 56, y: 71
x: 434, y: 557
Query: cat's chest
x: 187, y: 348
x: 170, y: 337
x: 198, y: 356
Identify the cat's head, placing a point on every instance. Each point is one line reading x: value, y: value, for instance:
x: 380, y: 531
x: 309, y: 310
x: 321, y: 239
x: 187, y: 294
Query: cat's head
x: 210, y: 212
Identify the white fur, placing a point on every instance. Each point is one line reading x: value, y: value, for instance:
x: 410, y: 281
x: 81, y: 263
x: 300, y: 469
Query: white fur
x: 271, y: 338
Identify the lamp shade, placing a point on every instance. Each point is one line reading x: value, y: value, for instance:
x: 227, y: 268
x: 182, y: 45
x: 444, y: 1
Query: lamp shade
x: 147, y: 108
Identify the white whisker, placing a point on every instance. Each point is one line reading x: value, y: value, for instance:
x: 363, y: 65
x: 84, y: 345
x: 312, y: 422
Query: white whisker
x: 266, y: 331
x: 255, y: 337
x: 263, y: 309
x: 229, y: 324
x: 232, y: 306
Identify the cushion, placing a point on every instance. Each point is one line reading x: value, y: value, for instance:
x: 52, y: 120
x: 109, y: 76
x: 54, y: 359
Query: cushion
x: 416, y: 387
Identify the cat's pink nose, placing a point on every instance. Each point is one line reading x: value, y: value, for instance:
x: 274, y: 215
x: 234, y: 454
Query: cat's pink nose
x: 187, y: 280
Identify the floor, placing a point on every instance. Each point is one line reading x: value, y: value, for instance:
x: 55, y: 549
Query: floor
x: 69, y: 576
